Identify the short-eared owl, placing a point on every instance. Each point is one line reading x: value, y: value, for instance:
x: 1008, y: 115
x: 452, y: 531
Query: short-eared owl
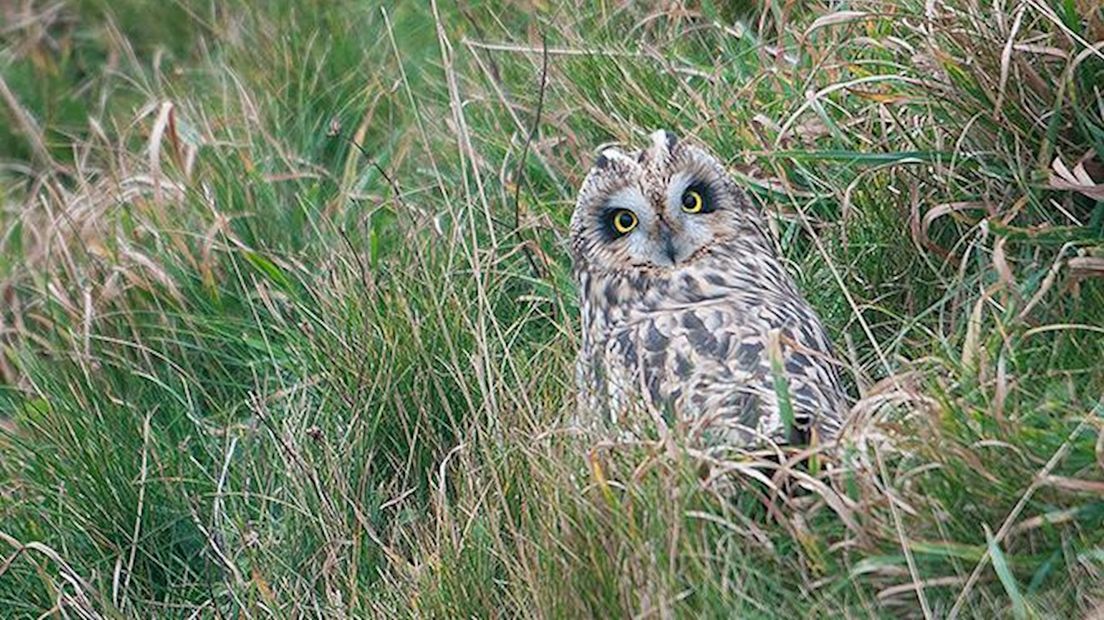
x: 687, y: 310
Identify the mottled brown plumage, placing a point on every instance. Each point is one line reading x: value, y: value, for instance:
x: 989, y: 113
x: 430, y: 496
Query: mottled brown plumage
x: 683, y: 299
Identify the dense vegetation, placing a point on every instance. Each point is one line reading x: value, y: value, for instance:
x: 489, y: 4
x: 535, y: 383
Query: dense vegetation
x: 287, y: 323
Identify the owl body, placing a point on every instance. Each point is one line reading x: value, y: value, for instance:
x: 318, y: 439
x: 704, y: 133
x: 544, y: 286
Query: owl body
x: 684, y: 301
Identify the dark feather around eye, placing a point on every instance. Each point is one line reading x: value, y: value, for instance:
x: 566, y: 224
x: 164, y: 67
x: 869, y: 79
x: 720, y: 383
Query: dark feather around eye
x: 709, y: 197
x: 607, y: 225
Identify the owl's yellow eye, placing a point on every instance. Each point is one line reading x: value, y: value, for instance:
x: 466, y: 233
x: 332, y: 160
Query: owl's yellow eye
x: 624, y: 221
x: 692, y: 201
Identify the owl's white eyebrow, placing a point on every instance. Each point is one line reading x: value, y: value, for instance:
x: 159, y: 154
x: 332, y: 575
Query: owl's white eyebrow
x: 678, y: 184
x: 627, y: 197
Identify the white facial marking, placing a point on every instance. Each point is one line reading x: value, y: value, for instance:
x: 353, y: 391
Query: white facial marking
x: 675, y: 188
x: 629, y: 198
x: 659, y: 140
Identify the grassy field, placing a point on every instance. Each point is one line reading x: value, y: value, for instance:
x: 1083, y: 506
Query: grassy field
x: 287, y: 324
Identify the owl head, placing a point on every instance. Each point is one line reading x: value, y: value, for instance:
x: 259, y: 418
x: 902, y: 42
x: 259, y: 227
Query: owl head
x: 658, y: 209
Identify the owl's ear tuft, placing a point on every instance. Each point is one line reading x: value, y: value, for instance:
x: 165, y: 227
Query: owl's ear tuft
x: 663, y: 140
x: 607, y: 156
x: 671, y: 140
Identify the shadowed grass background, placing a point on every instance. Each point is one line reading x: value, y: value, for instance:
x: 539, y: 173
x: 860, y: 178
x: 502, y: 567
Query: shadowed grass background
x: 250, y: 368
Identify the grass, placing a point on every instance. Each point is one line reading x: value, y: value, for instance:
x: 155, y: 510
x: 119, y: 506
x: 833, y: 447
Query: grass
x: 288, y: 325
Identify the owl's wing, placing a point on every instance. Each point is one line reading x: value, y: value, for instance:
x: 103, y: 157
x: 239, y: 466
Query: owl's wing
x: 712, y: 365
x: 736, y: 383
x: 801, y: 375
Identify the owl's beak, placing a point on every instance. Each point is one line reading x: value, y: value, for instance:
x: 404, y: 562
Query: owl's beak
x: 667, y: 240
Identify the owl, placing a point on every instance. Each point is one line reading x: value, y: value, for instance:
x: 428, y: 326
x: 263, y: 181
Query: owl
x: 687, y: 312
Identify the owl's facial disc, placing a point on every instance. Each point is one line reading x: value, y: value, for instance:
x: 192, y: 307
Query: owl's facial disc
x: 660, y: 208
x: 661, y: 233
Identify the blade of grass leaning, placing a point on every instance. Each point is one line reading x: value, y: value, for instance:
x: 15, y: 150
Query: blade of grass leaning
x: 1007, y: 579
x: 781, y: 384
